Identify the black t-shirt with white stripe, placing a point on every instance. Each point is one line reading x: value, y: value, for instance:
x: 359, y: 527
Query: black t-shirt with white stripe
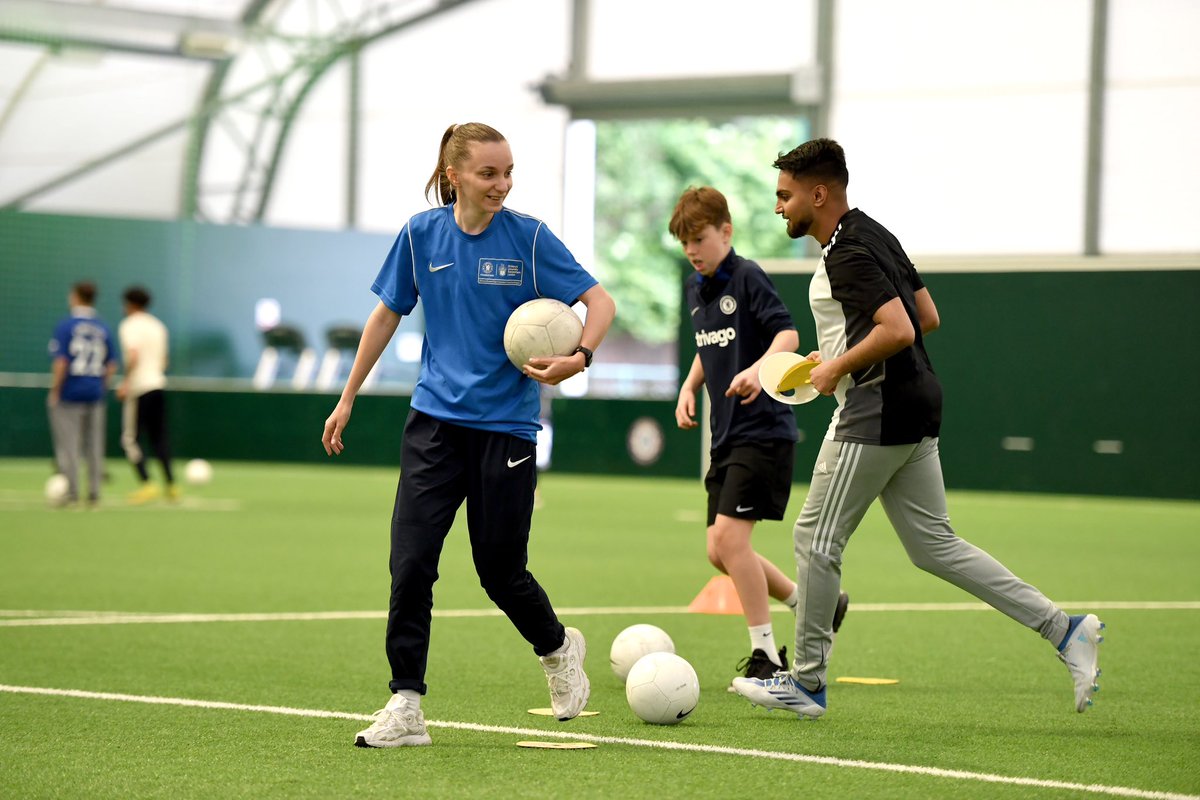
x: 736, y: 314
x: 898, y: 400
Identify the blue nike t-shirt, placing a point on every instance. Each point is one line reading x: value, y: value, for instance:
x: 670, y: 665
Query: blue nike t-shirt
x: 469, y: 285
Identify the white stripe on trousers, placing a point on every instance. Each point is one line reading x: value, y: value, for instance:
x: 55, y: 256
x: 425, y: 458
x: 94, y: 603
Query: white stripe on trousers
x: 839, y: 489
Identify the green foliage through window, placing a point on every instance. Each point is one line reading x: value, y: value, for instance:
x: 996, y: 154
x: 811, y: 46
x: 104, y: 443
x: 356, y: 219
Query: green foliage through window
x: 642, y: 167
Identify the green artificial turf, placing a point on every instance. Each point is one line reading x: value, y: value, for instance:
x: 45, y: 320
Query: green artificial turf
x: 977, y: 693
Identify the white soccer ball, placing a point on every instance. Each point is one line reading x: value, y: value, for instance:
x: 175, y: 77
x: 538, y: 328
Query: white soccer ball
x: 197, y: 472
x: 57, y: 487
x: 635, y: 642
x: 539, y: 328
x: 662, y: 688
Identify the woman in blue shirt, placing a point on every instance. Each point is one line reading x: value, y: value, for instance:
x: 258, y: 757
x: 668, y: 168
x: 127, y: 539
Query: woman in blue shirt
x: 471, y: 431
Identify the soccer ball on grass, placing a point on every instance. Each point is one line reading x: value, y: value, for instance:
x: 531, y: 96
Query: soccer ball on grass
x: 662, y: 688
x: 635, y: 642
x: 198, y: 472
x: 57, y: 487
x: 540, y: 328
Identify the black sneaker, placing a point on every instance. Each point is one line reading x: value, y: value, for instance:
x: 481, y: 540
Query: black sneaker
x: 759, y: 665
x: 839, y: 613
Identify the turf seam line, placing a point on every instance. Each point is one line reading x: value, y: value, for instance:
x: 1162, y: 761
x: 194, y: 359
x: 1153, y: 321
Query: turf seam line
x: 936, y: 772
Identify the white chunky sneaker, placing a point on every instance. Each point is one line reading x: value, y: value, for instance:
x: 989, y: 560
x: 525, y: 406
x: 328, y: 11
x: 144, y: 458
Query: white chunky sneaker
x: 398, y: 724
x: 569, y: 685
x: 1079, y: 651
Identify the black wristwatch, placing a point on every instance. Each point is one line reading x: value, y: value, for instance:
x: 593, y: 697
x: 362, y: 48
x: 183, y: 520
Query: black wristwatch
x: 587, y: 355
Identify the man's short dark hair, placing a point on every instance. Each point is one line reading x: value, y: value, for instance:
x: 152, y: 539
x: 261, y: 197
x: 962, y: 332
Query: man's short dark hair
x: 137, y: 296
x: 821, y: 159
x: 86, y: 292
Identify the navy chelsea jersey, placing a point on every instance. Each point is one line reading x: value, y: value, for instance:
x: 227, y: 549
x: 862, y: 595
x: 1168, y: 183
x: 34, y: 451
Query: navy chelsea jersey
x: 736, y: 314
x: 468, y: 285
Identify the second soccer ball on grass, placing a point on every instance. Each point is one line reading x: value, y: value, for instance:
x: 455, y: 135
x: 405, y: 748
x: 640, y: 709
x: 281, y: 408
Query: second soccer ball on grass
x: 539, y: 328
x: 635, y: 642
x: 662, y: 689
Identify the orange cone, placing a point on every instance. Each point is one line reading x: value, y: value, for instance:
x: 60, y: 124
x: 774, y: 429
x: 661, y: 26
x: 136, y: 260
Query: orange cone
x: 719, y: 596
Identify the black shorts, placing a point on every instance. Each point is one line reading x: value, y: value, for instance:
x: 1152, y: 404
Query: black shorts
x: 750, y: 481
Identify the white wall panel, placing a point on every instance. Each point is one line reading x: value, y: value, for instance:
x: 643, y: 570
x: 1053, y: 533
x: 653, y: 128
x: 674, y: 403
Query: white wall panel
x: 983, y: 47
x: 482, y: 64
x: 965, y: 123
x: 972, y: 175
x: 637, y: 39
x: 1151, y: 188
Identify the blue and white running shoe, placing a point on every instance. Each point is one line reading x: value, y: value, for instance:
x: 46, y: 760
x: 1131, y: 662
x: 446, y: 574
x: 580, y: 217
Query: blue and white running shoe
x: 781, y: 691
x: 1079, y: 650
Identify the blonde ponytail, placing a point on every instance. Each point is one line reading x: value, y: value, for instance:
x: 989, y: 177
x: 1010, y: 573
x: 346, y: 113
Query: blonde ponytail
x: 453, y: 151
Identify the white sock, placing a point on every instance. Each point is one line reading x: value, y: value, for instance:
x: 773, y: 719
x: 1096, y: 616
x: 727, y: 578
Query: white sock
x: 412, y: 696
x: 793, y: 598
x: 763, y: 638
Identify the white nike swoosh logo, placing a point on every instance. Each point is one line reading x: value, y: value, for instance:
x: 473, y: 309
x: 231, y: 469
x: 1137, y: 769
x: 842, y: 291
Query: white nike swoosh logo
x: 741, y: 510
x: 432, y: 268
x: 512, y: 463
x: 694, y: 310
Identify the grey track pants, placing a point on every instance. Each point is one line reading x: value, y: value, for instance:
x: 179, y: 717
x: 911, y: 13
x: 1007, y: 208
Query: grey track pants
x: 78, y: 430
x: 907, y: 479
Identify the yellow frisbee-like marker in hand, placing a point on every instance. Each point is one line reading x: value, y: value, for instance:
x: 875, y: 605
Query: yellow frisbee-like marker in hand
x: 785, y: 377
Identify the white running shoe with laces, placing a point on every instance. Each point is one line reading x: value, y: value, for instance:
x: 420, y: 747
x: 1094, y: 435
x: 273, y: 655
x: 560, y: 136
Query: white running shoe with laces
x: 1080, y: 652
x: 569, y: 685
x: 782, y: 691
x: 398, y: 724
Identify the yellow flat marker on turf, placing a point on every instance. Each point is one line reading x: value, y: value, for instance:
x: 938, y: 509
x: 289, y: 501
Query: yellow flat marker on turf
x: 557, y: 745
x: 784, y: 377
x: 869, y: 681
x: 549, y: 712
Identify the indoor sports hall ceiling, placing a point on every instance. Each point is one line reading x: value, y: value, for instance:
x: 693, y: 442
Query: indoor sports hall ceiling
x: 193, y: 100
x: 325, y: 113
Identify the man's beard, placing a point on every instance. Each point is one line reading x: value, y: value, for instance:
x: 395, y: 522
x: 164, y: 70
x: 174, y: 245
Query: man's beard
x: 798, y: 229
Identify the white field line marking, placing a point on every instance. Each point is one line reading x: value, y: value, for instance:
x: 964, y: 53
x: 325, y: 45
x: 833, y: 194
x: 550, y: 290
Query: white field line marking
x: 27, y: 618
x: 1118, y: 791
x: 185, y: 503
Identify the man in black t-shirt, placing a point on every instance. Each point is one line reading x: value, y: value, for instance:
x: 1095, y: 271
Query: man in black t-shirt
x: 872, y: 312
x: 738, y: 320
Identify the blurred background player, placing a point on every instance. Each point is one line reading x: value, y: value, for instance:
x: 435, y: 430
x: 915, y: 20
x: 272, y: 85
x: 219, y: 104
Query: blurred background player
x: 470, y: 435
x: 872, y: 312
x: 144, y: 349
x: 738, y: 320
x: 83, y: 361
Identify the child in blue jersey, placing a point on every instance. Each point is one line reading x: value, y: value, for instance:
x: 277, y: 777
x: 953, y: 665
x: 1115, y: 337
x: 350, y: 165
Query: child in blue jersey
x: 739, y: 320
x: 83, y: 361
x: 471, y: 431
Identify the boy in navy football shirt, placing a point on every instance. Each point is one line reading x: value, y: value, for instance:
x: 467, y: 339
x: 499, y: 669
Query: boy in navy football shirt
x: 738, y: 320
